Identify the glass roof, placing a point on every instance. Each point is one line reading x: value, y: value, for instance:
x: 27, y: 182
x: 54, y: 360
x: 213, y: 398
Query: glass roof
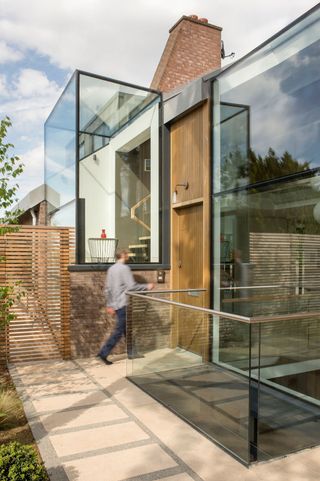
x: 106, y: 106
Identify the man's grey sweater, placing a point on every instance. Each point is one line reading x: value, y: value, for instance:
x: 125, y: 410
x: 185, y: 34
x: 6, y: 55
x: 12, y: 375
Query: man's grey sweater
x: 119, y: 281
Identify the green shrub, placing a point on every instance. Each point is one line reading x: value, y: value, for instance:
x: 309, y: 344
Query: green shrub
x: 20, y: 463
x: 10, y: 408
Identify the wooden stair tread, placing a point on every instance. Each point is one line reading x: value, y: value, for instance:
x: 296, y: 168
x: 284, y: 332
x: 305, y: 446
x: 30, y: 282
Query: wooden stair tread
x: 138, y: 246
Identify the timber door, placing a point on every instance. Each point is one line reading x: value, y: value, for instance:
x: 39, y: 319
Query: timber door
x: 190, y: 222
x: 188, y: 273
x: 189, y: 247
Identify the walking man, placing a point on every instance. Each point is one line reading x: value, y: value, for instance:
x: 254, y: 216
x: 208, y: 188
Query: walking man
x: 119, y: 281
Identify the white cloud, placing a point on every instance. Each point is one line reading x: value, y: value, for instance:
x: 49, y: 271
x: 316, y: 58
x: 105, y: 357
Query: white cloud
x: 122, y: 40
x: 9, y: 54
x: 32, y: 83
x: 25, y: 138
x: 33, y: 171
x: 3, y: 86
x: 125, y: 39
x: 29, y: 100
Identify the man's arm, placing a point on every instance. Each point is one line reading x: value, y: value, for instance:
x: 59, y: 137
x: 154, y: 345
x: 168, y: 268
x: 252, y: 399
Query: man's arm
x: 132, y: 285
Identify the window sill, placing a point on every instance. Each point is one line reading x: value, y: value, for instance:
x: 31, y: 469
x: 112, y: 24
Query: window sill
x: 104, y: 267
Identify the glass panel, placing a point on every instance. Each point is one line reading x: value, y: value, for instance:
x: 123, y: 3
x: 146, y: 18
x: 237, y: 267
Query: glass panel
x: 289, y: 374
x: 173, y: 345
x: 266, y: 235
x: 268, y: 258
x: 106, y: 107
x: 268, y: 121
x: 64, y: 216
x: 133, y: 198
x: 119, y: 170
x: 60, y: 152
x: 267, y: 265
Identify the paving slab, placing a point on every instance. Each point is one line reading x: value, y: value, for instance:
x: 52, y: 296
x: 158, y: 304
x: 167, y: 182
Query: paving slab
x: 97, y: 438
x: 69, y: 401
x: 117, y: 466
x: 92, y: 424
x: 84, y: 416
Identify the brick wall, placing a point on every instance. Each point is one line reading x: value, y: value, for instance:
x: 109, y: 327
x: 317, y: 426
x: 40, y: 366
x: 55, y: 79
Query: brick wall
x: 193, y: 49
x: 90, y: 325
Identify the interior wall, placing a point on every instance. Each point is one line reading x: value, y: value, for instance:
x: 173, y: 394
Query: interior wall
x: 97, y: 180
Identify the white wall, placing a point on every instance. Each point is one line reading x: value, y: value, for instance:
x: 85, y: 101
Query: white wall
x: 97, y: 180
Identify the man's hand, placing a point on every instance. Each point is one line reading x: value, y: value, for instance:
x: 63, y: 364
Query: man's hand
x: 110, y: 311
x: 150, y: 286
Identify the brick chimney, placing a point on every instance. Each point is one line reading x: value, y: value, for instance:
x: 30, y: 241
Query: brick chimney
x: 192, y: 49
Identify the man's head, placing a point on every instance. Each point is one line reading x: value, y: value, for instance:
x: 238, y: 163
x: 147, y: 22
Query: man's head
x: 122, y: 255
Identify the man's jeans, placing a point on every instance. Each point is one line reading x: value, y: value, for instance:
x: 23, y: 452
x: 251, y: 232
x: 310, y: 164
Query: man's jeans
x: 115, y: 337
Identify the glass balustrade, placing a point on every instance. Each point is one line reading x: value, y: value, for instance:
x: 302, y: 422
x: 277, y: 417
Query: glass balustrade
x: 251, y: 384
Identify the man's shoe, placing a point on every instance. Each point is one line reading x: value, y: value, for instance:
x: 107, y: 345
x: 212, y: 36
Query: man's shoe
x: 103, y: 359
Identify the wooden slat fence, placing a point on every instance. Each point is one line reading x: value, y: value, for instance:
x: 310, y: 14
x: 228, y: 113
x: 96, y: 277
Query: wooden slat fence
x: 37, y: 258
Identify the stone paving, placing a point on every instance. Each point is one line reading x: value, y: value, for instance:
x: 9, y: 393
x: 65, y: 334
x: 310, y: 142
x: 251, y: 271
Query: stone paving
x: 92, y: 424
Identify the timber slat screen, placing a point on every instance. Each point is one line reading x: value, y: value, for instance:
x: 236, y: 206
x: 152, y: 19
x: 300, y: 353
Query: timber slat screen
x: 36, y: 260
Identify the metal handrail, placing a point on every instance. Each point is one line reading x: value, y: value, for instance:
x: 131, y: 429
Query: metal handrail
x: 171, y: 291
x: 234, y: 317
x: 226, y: 315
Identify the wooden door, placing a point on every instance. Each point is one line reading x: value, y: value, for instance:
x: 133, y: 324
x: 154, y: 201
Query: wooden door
x: 188, y: 274
x: 190, y: 226
x: 189, y: 247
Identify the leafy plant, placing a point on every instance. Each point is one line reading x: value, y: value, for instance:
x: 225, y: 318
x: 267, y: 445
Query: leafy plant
x: 10, y: 169
x: 20, y: 463
x: 10, y: 408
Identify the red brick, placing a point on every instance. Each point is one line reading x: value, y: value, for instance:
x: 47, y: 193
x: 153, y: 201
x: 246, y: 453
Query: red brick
x: 193, y: 48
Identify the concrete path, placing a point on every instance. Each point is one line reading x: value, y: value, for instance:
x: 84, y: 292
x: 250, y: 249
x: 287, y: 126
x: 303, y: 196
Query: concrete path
x: 92, y: 424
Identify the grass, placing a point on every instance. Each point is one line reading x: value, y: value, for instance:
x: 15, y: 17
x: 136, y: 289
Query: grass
x: 10, y: 409
x: 13, y: 423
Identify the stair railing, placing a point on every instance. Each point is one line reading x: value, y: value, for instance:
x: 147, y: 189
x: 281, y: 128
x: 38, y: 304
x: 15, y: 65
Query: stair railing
x: 135, y: 207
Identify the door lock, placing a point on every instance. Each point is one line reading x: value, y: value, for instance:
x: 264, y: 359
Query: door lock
x: 179, y: 264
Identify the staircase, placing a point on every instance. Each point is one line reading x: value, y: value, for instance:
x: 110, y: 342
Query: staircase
x: 140, y: 253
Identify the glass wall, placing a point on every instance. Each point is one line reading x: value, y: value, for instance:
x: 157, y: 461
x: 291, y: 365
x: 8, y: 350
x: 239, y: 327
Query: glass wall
x: 266, y: 185
x: 60, y: 158
x: 266, y: 223
x: 119, y: 169
x: 267, y: 120
x: 117, y: 177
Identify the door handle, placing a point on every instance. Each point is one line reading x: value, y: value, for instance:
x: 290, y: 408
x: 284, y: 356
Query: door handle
x: 179, y: 264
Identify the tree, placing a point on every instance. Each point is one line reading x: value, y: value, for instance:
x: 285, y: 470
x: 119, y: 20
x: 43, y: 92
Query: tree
x: 272, y: 166
x: 10, y: 169
x: 239, y: 169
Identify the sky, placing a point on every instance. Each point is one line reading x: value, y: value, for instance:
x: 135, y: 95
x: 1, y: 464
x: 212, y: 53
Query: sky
x: 43, y: 41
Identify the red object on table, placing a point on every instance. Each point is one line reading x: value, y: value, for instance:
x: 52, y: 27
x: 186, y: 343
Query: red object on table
x: 103, y: 234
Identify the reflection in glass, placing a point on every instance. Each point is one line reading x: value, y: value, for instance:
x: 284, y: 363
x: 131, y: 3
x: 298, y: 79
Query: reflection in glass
x: 269, y: 249
x: 172, y: 342
x: 268, y: 122
x: 133, y: 199
x: 266, y: 223
x: 105, y: 108
x: 60, y: 151
x: 119, y: 166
